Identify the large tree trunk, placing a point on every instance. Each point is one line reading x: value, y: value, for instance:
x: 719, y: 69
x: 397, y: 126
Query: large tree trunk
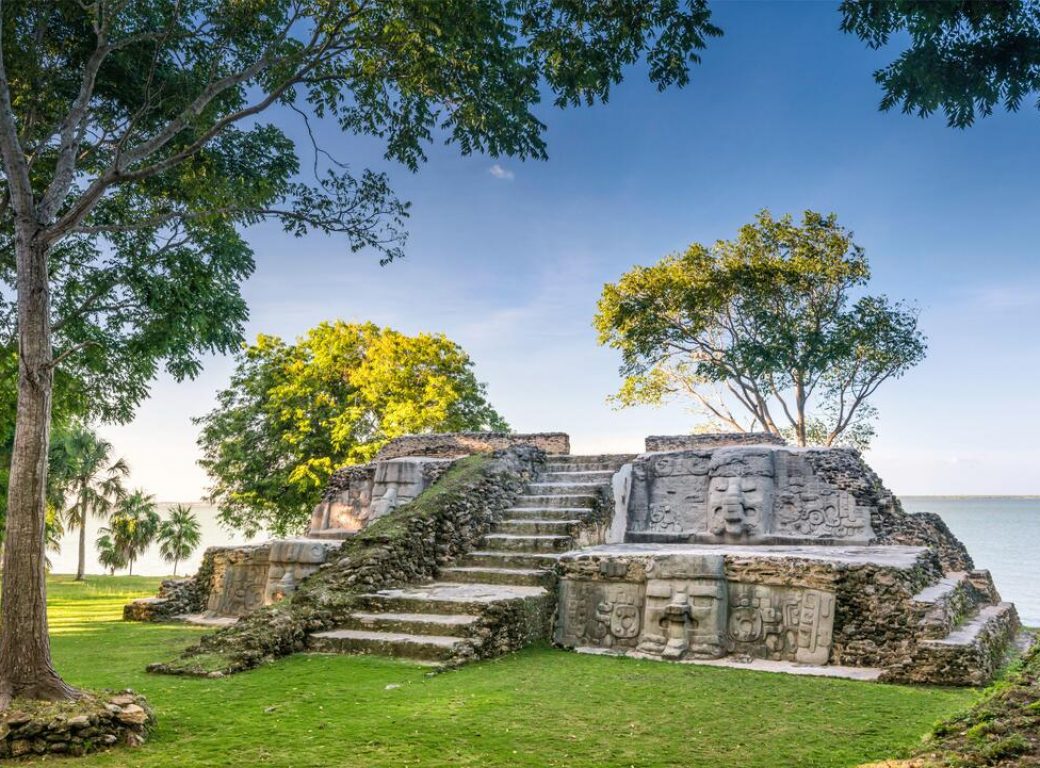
x: 25, y: 652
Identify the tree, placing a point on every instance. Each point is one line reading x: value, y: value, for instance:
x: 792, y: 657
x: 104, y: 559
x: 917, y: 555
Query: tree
x: 134, y: 152
x: 964, y: 58
x: 109, y: 555
x: 92, y: 477
x: 53, y: 531
x: 763, y: 325
x: 294, y: 413
x: 134, y: 525
x: 179, y: 535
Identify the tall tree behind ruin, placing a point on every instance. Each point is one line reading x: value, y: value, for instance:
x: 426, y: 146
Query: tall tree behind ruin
x: 294, y: 413
x: 133, y: 154
x: 762, y: 332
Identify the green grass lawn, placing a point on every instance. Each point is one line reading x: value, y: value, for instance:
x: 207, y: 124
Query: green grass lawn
x: 540, y: 707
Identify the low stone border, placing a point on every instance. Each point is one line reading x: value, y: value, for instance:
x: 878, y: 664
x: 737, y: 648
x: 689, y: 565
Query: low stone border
x: 34, y: 728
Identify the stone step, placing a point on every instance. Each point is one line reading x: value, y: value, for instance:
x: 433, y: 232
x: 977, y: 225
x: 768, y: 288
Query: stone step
x: 560, y: 468
x: 975, y: 631
x: 560, y: 500
x: 528, y: 543
x: 546, y: 513
x: 505, y: 559
x: 607, y: 460
x: 563, y: 489
x: 599, y: 476
x: 442, y: 597
x: 522, y: 526
x: 944, y: 605
x: 532, y: 577
x: 971, y: 654
x: 444, y: 624
x: 396, y: 644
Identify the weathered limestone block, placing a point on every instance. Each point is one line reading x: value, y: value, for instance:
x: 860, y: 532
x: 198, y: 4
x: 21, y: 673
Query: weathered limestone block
x: 239, y: 582
x: 359, y: 495
x: 249, y: 577
x: 656, y: 443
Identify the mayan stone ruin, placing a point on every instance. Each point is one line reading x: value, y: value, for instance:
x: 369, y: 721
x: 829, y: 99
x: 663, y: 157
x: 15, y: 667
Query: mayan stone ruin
x: 716, y: 549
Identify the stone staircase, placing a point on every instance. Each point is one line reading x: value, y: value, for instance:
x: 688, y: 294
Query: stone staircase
x: 964, y: 631
x: 515, y: 561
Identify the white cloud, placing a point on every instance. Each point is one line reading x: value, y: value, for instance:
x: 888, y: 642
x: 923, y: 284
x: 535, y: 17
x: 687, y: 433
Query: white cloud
x: 1007, y: 296
x: 499, y: 172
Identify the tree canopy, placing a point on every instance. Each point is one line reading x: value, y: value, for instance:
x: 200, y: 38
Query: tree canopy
x: 963, y: 58
x: 762, y: 332
x: 134, y: 153
x: 294, y: 413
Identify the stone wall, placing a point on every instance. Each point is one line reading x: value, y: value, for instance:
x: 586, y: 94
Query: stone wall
x: 405, y: 547
x: 453, y: 444
x: 176, y: 597
x: 852, y: 609
x: 710, y: 440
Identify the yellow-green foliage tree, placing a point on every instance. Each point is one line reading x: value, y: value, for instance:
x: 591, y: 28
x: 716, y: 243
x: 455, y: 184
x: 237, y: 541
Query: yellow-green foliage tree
x: 768, y: 331
x: 294, y: 413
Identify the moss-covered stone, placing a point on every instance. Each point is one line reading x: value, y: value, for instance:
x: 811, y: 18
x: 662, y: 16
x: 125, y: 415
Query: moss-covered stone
x: 95, y: 721
x: 1002, y: 729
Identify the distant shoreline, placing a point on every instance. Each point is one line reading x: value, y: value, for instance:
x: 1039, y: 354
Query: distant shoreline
x: 967, y: 496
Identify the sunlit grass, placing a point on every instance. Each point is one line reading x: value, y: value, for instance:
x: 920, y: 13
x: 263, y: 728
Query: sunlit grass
x: 541, y: 707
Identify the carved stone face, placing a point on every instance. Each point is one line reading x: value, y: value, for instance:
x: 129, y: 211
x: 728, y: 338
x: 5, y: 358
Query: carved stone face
x: 737, y: 505
x: 741, y: 492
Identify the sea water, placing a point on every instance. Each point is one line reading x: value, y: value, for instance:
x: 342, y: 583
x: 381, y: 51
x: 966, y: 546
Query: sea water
x: 1002, y: 534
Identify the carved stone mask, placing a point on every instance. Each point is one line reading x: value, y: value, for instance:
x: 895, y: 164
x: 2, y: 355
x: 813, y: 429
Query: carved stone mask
x: 740, y: 496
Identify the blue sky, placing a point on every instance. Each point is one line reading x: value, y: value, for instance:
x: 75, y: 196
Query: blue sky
x: 508, y: 258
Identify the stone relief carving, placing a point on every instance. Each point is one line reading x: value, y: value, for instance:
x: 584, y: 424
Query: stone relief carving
x: 668, y: 493
x: 248, y: 578
x: 781, y: 623
x: 241, y: 583
x: 740, y: 499
x: 685, y: 610
x: 600, y: 614
x: 739, y: 494
x: 369, y: 492
x: 291, y: 561
x: 700, y: 616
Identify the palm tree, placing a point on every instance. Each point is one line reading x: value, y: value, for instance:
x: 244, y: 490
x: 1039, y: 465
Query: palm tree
x: 179, y: 535
x: 87, y: 472
x: 53, y: 531
x: 134, y: 525
x: 109, y: 555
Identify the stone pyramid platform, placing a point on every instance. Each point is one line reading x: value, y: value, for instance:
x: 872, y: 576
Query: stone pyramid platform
x: 514, y: 563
